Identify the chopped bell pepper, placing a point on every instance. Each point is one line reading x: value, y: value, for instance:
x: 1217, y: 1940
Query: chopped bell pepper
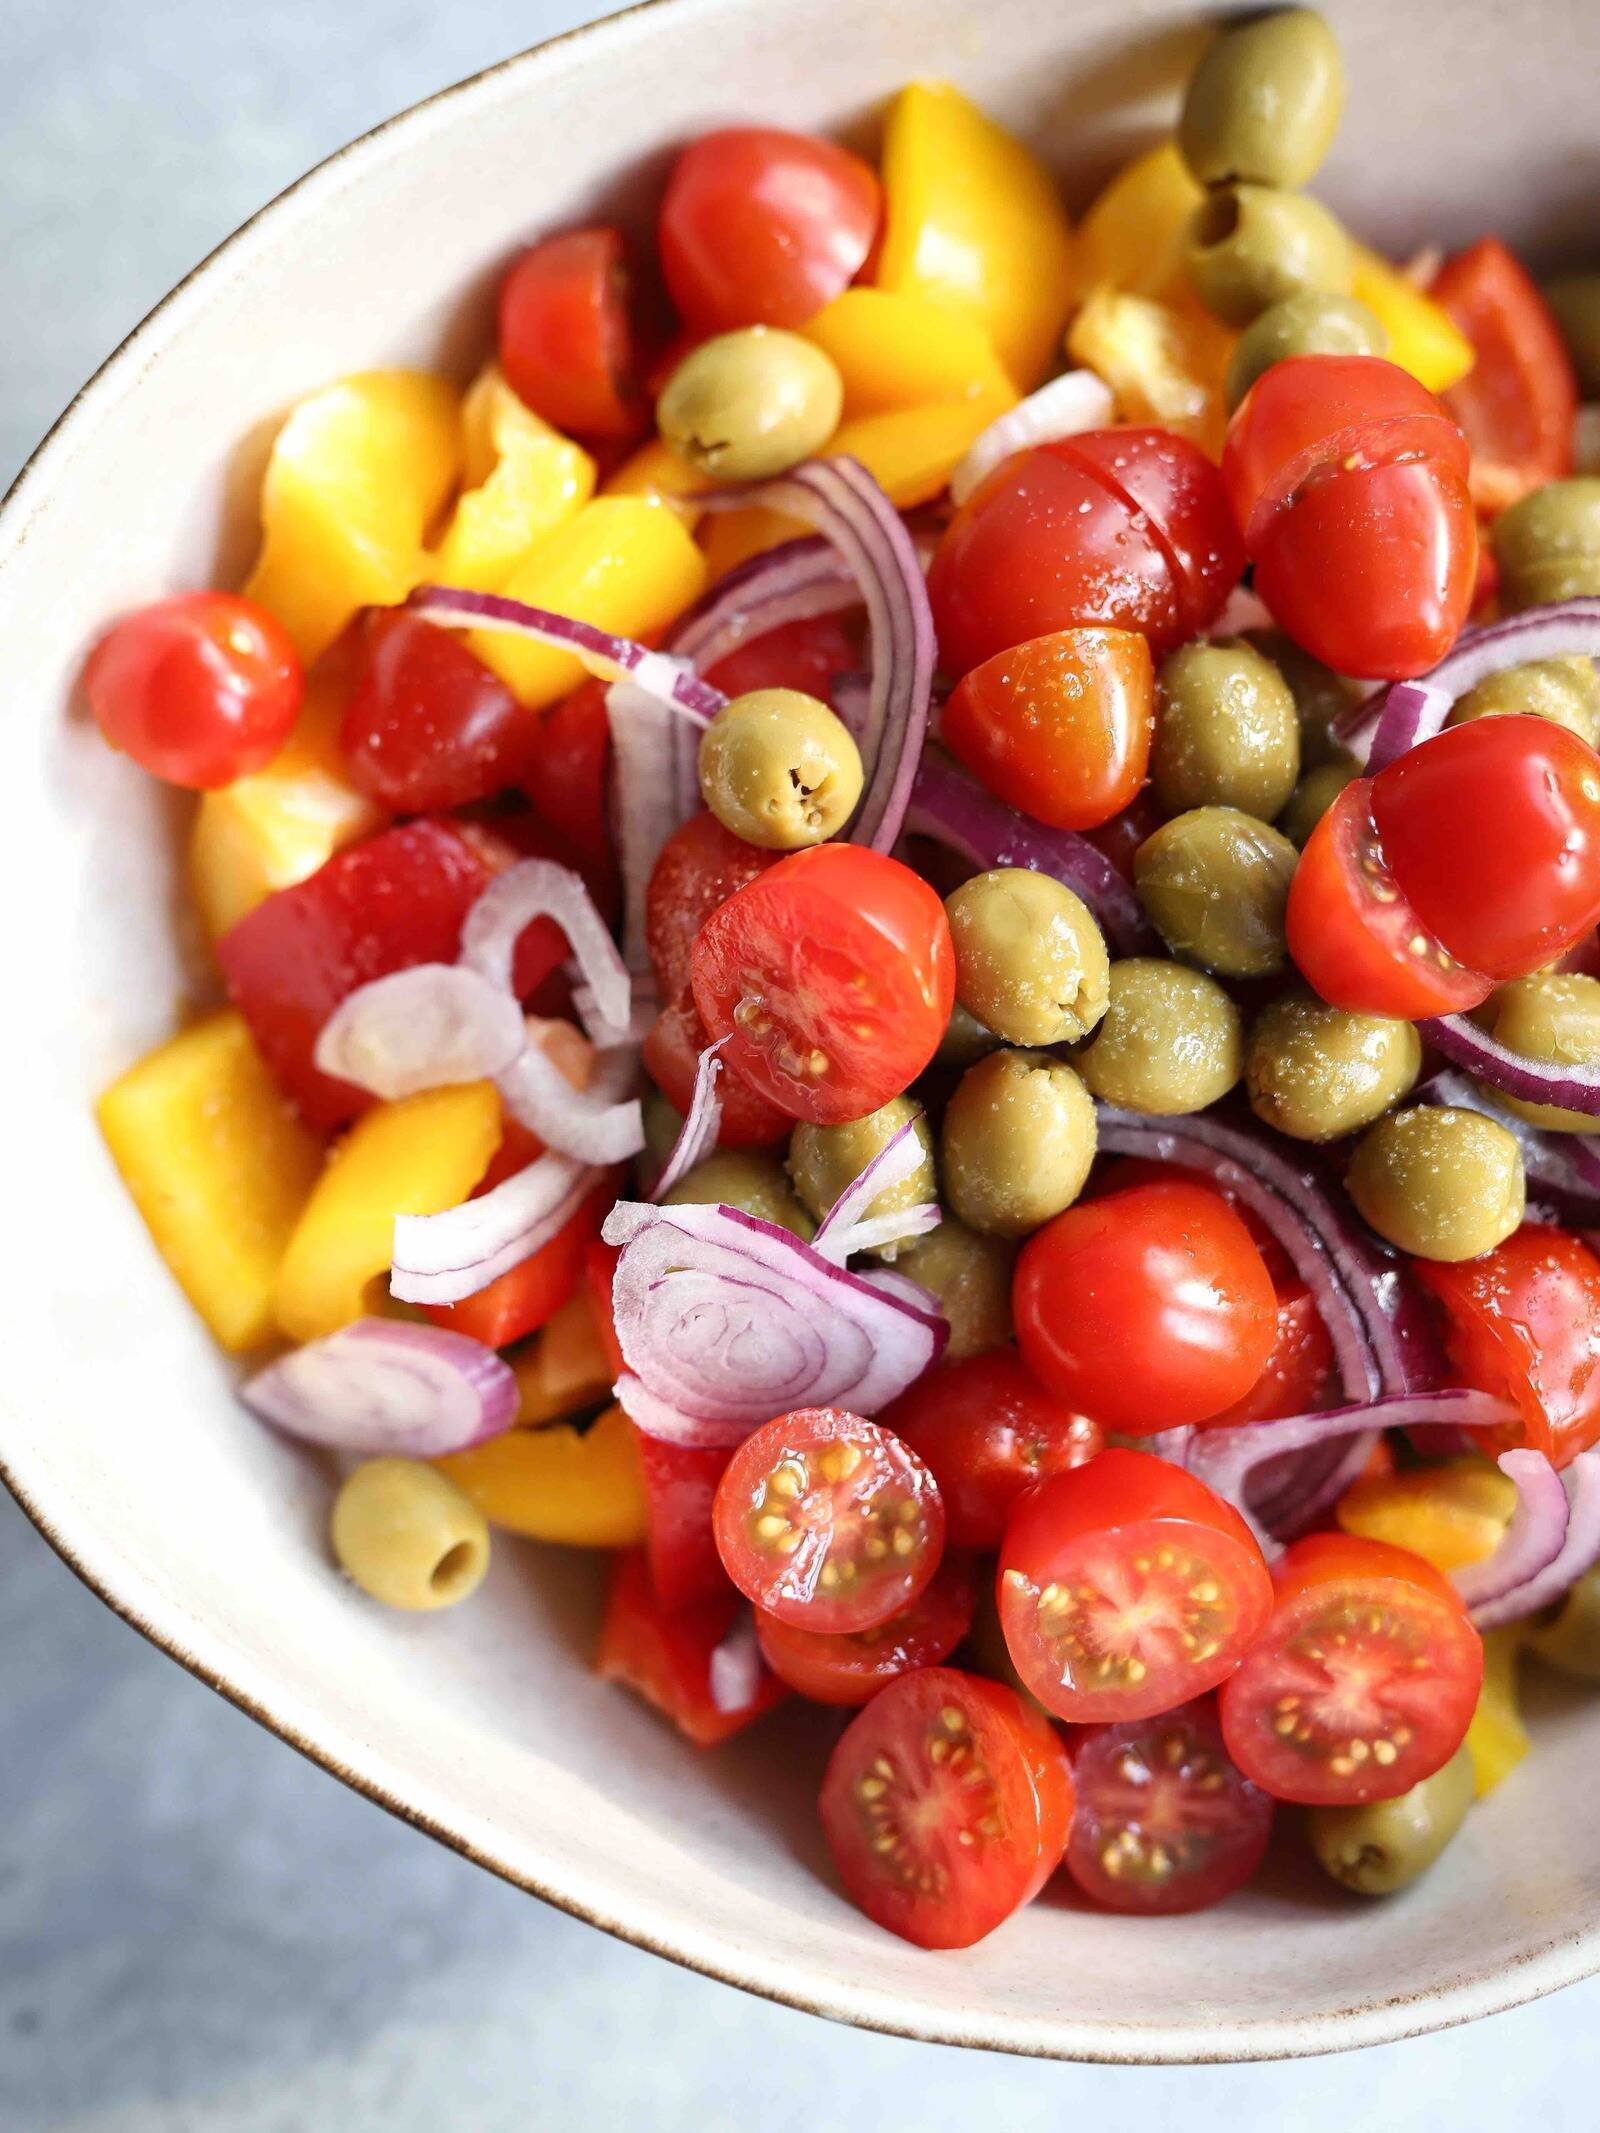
x: 1163, y: 365
x: 218, y: 1166
x: 680, y: 1487
x: 565, y: 1368
x: 1450, y: 1514
x: 357, y: 475
x: 730, y: 538
x: 664, y: 1654
x: 894, y: 350
x: 911, y: 452
x: 559, y: 1483
x: 1497, y: 1740
x: 1133, y: 236
x: 415, y: 1157
x: 656, y: 470
x: 523, y: 480
x: 1423, y: 338
x: 972, y: 218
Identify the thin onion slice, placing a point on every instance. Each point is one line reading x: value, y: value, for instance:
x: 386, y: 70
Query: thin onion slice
x: 737, y: 1666
x: 600, y: 1123
x: 382, y: 1386
x: 1538, y: 1081
x: 840, y: 1232
x: 1561, y: 1168
x: 1068, y: 405
x: 438, y: 1259
x: 654, y: 789
x: 1579, y: 1552
x: 875, y: 1231
x: 609, y: 1036
x: 540, y: 888
x: 1535, y: 1536
x: 697, y: 1136
x: 794, y: 582
x: 1412, y: 710
x: 428, y: 1027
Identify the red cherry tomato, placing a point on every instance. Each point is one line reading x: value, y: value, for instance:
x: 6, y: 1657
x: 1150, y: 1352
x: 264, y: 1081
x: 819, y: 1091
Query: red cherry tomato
x: 760, y: 227
x: 946, y: 1807
x: 1166, y: 1822
x: 1128, y: 529
x: 1146, y: 1309
x: 1524, y: 1321
x: 1060, y: 726
x: 833, y: 976
x: 672, y: 1058
x: 986, y: 1430
x: 1127, y: 1587
x: 664, y: 1654
x: 1298, y: 1378
x: 828, y: 1521
x: 566, y: 338
x: 852, y: 1669
x: 808, y: 654
x: 680, y: 1486
x: 428, y: 726
x: 1518, y: 402
x: 565, y: 774
x: 1364, y: 1681
x: 1349, y: 480
x: 199, y: 690
x: 699, y: 867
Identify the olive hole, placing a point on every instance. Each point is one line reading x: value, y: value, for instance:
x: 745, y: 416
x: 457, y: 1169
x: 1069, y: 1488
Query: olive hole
x: 453, y: 1567
x: 1218, y: 219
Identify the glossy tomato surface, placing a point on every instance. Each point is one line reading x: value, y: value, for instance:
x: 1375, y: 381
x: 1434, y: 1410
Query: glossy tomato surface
x: 1299, y: 1375
x: 852, y: 1668
x: 1127, y: 1587
x: 946, y: 1806
x: 664, y: 1654
x: 680, y: 1487
x: 565, y: 776
x: 672, y: 1052
x: 429, y: 726
x: 1518, y: 402
x: 698, y: 867
x: 808, y: 654
x: 566, y: 337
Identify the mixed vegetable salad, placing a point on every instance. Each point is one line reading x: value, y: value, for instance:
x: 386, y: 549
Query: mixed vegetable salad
x: 909, y: 924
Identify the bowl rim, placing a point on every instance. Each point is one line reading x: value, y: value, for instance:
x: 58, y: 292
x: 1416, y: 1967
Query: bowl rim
x: 1562, y: 1959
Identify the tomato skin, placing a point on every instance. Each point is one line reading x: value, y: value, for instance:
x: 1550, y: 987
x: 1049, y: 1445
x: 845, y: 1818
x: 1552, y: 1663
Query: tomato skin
x: 1146, y: 1309
x: 1518, y: 403
x: 199, y: 689
x: 1382, y: 1610
x: 762, y: 227
x: 1128, y: 1530
x: 851, y: 1669
x: 987, y: 1430
x: 833, y: 976
x: 699, y: 866
x: 521, y: 1300
x: 1060, y: 726
x: 428, y: 726
x: 1523, y: 1321
x: 808, y: 654
x: 565, y: 774
x: 1524, y: 885
x: 566, y: 344
x: 664, y: 1654
x: 1002, y: 1778
x: 1298, y: 1377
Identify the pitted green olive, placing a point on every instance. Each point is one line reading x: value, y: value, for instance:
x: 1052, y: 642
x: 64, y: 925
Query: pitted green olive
x: 748, y: 405
x: 971, y: 1276
x: 755, y: 1184
x: 1385, y: 1845
x: 823, y: 1160
x: 1031, y: 963
x: 1227, y: 733
x: 1264, y: 102
x: 1565, y: 691
x: 1018, y: 1142
x: 1171, y: 1041
x: 1317, y: 1073
x: 1438, y: 1182
x: 1313, y: 323
x: 1250, y: 247
x: 780, y: 769
x: 1215, y: 883
x: 1548, y: 544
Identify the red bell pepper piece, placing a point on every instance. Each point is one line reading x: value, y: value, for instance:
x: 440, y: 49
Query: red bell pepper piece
x: 664, y: 1654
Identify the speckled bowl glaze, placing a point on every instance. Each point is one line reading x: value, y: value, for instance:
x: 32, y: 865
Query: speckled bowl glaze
x: 117, y: 1429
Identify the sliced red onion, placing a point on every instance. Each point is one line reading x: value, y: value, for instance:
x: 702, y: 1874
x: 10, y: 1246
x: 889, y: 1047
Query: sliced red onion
x: 737, y: 1666
x: 791, y: 583
x: 1533, y: 1539
x: 969, y: 820
x: 875, y: 1231
x: 914, y: 1295
x: 610, y: 1036
x: 539, y: 888
x: 428, y: 1027
x: 1578, y: 1554
x: 1075, y: 401
x: 1538, y: 1081
x: 600, y: 1123
x: 602, y: 653
x: 658, y: 1418
x: 731, y: 1320
x: 654, y: 789
x: 1561, y: 1168
x: 438, y: 1259
x: 840, y: 1232
x: 1413, y: 711
x: 697, y: 1136
x: 384, y: 1386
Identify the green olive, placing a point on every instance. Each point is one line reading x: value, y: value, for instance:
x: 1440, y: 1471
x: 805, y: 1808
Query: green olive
x: 1171, y: 1042
x: 780, y: 769
x: 823, y: 1160
x: 1227, y: 734
x: 1383, y: 1846
x: 1264, y: 102
x: 1018, y: 1142
x: 748, y: 405
x: 1031, y: 963
x: 1317, y: 1073
x: 755, y: 1184
x: 971, y: 1276
x: 1568, y: 1638
x: 408, y: 1536
x: 1548, y: 545
x: 1312, y: 797
x: 1575, y: 300
x: 1310, y: 324
x: 965, y: 1039
x: 1565, y: 691
x: 1437, y: 1182
x: 1249, y: 248
x: 1320, y: 695
x: 1553, y: 1015
x: 662, y: 1125
x: 1215, y: 883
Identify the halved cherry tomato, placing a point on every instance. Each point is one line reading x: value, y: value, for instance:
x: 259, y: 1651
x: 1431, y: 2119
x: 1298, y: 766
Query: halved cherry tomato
x: 833, y: 975
x: 1364, y: 1681
x: 808, y: 654
x: 1166, y: 1822
x: 699, y: 866
x: 672, y: 1058
x: 987, y: 1429
x: 566, y: 338
x: 1128, y: 529
x: 428, y: 725
x: 761, y: 227
x: 1146, y: 1309
x: 1524, y: 1321
x: 664, y: 1654
x: 1060, y: 726
x: 1518, y: 402
x: 1127, y: 1587
x: 1349, y: 481
x: 565, y: 776
x: 827, y: 1521
x: 851, y: 1669
x: 680, y: 1487
x: 199, y: 690
x: 946, y: 1807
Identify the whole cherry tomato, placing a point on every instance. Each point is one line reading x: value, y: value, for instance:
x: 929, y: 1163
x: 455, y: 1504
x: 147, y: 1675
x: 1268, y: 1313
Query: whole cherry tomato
x: 199, y: 690
x: 565, y: 776
x: 428, y: 726
x: 567, y: 342
x: 1518, y: 402
x: 808, y: 654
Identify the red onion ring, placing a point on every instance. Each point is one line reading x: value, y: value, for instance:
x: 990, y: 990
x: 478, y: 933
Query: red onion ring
x: 383, y: 1386
x: 794, y: 582
x: 427, y: 1027
x: 697, y: 1136
x: 1538, y: 1081
x: 600, y: 1123
x: 1579, y: 1552
x: 1532, y: 1541
x: 654, y: 789
x: 847, y: 1228
x: 438, y: 1259
x: 539, y: 888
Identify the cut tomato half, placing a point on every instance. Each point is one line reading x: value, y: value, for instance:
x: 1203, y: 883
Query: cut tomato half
x: 852, y: 1669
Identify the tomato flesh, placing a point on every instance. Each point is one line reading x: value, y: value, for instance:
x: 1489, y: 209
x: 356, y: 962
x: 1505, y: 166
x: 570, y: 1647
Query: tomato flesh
x: 429, y: 726
x: 1298, y: 1377
x: 566, y: 339
x: 946, y: 1806
x: 1519, y: 401
x: 664, y: 1654
x: 1127, y: 1587
x: 852, y: 1668
x: 698, y: 867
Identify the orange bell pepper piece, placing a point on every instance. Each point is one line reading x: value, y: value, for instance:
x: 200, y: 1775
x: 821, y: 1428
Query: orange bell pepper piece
x: 1164, y: 364
x: 581, y: 1487
x: 523, y: 480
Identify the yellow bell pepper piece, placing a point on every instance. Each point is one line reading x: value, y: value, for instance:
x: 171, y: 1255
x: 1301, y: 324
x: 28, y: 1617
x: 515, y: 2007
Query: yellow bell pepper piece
x: 656, y: 470
x: 1497, y: 1740
x: 730, y: 538
x: 276, y: 827
x: 973, y: 218
x: 894, y: 350
x: 1133, y: 235
x: 559, y: 1484
x: 1423, y: 338
x: 1451, y: 1514
x: 415, y: 1157
x: 219, y: 1167
x: 524, y: 479
x: 1163, y: 365
x: 912, y: 451
x: 357, y: 475
x: 628, y: 564
x: 563, y: 1368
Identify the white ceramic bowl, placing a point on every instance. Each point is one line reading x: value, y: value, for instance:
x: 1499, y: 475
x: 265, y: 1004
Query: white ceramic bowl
x: 119, y: 1433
